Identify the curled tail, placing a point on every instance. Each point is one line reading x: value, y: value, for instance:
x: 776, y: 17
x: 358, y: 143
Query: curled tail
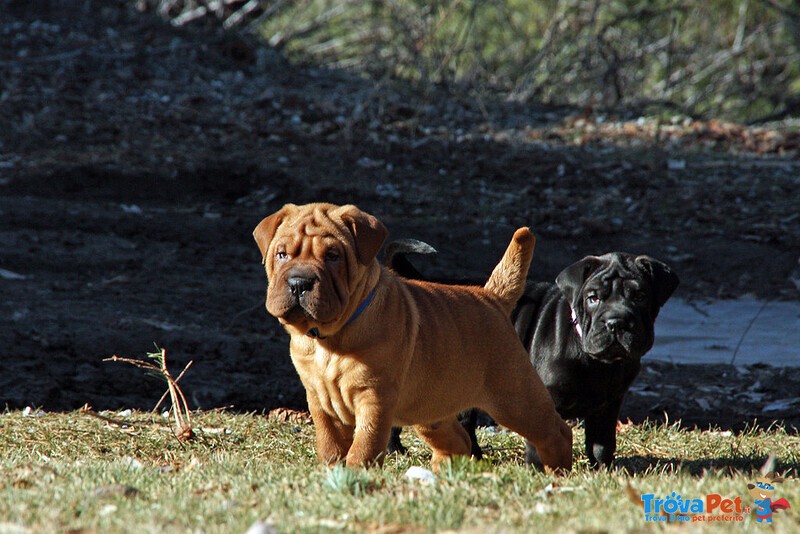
x: 507, y: 281
x: 396, y: 252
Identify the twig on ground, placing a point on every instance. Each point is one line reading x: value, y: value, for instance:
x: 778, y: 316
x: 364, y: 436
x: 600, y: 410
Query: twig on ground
x: 746, y: 330
x: 86, y: 409
x: 180, y: 408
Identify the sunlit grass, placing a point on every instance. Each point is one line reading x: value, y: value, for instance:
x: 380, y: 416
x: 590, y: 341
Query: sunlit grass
x: 73, y: 472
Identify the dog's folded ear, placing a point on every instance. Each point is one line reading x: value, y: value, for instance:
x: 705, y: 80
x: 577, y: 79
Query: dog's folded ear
x: 266, y: 229
x: 368, y: 233
x: 663, y: 278
x: 571, y: 279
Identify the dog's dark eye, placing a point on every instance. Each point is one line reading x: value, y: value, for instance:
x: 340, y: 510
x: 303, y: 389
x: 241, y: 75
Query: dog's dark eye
x: 592, y: 299
x: 281, y: 255
x: 332, y: 256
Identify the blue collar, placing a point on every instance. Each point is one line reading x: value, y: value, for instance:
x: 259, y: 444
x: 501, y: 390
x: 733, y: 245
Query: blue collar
x: 314, y: 332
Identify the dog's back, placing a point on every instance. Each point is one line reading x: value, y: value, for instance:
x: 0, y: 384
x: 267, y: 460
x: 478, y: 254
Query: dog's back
x: 458, y: 318
x: 507, y: 282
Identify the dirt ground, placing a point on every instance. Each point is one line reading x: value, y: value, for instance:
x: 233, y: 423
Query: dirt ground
x: 136, y: 159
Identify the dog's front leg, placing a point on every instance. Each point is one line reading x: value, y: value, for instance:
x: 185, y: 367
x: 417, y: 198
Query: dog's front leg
x: 334, y: 438
x: 373, y: 427
x: 601, y: 436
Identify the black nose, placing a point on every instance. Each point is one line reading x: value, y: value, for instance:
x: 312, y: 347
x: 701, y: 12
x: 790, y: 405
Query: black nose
x: 615, y: 324
x: 300, y: 284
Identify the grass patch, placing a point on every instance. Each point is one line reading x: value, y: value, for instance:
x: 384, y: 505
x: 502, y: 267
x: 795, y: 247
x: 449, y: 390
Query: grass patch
x: 72, y: 472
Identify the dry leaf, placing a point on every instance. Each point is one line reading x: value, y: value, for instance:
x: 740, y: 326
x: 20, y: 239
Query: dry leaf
x: 286, y: 415
x: 115, y: 490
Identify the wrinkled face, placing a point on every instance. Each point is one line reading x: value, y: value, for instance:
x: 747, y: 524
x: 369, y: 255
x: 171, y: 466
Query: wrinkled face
x: 617, y: 322
x: 615, y: 299
x: 314, y: 256
x: 308, y: 269
x: 762, y: 489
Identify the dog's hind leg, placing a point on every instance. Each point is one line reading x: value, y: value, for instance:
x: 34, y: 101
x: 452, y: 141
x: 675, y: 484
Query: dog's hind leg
x: 395, y: 443
x: 446, y: 438
x: 469, y: 420
x: 544, y: 430
x: 526, y: 408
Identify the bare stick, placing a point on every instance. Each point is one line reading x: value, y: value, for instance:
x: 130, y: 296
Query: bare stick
x: 180, y: 408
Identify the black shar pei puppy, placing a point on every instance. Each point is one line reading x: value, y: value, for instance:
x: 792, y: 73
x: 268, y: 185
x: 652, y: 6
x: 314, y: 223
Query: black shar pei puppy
x: 586, y: 335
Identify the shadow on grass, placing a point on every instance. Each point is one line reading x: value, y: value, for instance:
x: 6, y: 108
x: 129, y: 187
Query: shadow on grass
x: 637, y: 464
x: 688, y: 421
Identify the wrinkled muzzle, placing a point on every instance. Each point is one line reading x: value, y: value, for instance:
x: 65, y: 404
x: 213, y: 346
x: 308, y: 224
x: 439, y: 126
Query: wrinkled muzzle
x: 616, y: 338
x: 302, y: 294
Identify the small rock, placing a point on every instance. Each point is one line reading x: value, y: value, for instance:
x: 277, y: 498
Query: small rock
x: 420, y: 473
x: 262, y: 527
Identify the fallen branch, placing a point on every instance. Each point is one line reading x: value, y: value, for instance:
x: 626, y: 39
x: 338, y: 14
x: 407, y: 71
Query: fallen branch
x: 86, y: 409
x: 180, y: 408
